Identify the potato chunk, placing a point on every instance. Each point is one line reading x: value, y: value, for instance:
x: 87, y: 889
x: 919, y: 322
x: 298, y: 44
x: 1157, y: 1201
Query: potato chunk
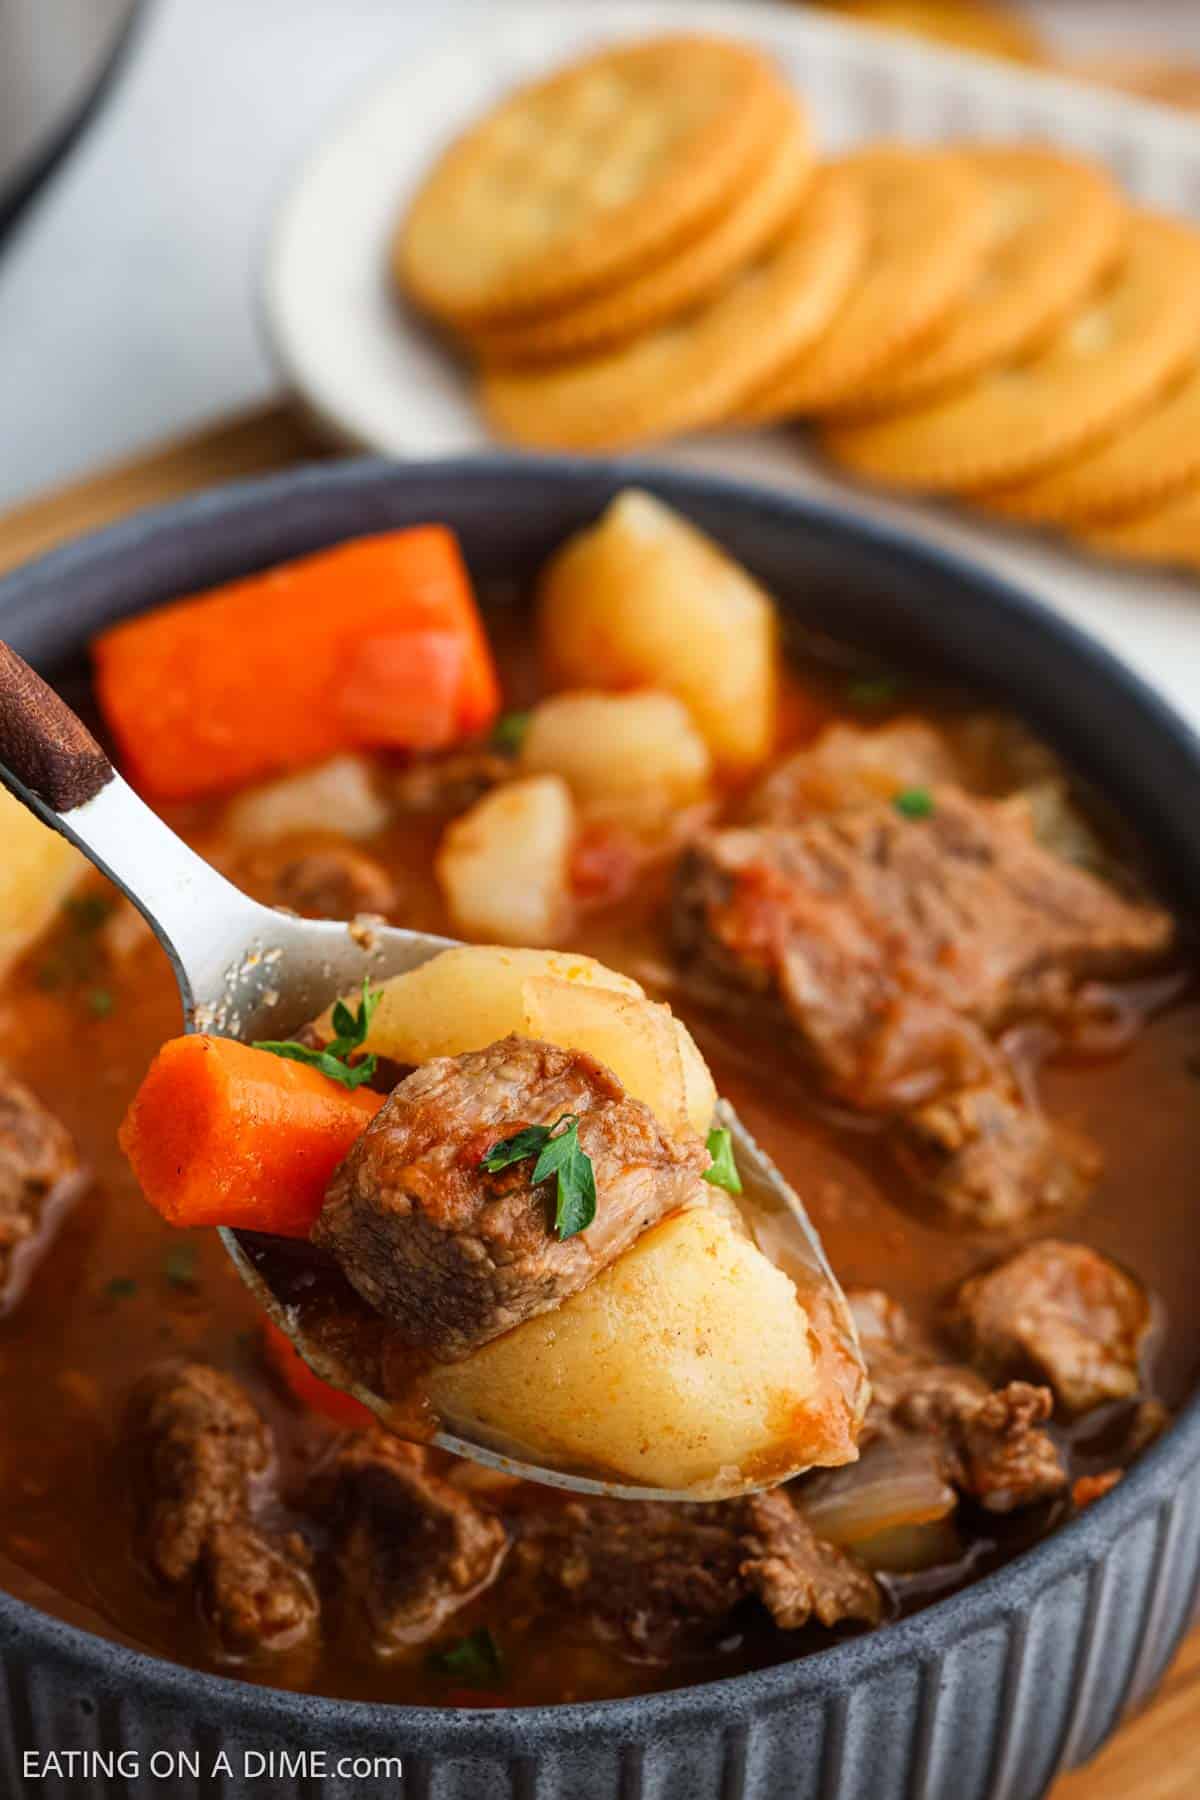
x: 476, y: 994
x: 468, y: 998
x: 503, y: 865
x: 685, y: 1365
x: 641, y: 1042
x: 38, y: 869
x: 628, y: 759
x: 340, y: 795
x: 644, y: 599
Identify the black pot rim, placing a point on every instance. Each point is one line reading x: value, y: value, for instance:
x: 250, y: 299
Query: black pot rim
x: 1077, y: 1545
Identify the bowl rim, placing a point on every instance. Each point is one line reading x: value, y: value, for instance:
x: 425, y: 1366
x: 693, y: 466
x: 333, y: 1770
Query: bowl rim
x: 1078, y: 1546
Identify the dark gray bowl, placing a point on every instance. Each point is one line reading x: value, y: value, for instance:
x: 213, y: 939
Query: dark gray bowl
x: 988, y: 1693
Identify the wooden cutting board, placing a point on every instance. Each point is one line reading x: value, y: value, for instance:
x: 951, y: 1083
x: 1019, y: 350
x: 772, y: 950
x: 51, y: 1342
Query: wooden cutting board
x: 1157, y: 1755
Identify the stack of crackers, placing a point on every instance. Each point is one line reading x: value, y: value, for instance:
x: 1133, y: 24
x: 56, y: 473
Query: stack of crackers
x: 646, y: 243
x: 989, y: 29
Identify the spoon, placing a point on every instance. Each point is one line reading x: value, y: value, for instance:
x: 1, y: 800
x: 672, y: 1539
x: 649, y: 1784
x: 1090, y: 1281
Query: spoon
x: 247, y: 971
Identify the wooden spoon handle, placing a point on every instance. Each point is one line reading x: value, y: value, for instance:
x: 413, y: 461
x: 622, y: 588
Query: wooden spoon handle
x: 42, y: 743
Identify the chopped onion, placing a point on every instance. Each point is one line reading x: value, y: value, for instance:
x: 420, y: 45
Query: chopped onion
x: 911, y: 1549
x: 894, y: 1484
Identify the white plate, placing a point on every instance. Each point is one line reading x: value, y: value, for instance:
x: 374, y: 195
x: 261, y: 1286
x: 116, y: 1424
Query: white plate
x: 374, y: 378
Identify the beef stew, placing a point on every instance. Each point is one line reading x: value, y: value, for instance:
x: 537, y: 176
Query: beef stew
x: 242, y: 1523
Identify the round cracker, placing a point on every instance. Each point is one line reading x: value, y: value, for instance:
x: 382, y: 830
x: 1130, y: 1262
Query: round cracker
x: 1145, y: 462
x: 691, y: 273
x: 962, y: 24
x: 579, y: 178
x: 1169, y: 533
x: 1056, y: 223
x: 1099, y: 369
x: 1170, y: 80
x: 694, y: 372
x: 926, y: 239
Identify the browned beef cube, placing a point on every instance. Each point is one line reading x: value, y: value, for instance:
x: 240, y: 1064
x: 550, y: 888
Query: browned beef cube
x: 853, y: 765
x: 1060, y: 1312
x: 256, y: 1589
x: 449, y: 783
x: 990, y: 1155
x: 1006, y: 1460
x: 454, y: 1255
x: 657, y: 1579
x: 39, y: 1170
x: 338, y: 883
x: 891, y: 940
x: 648, y: 1577
x: 988, y: 1444
x: 203, y: 1455
x: 796, y: 1574
x: 411, y: 1549
x: 895, y: 947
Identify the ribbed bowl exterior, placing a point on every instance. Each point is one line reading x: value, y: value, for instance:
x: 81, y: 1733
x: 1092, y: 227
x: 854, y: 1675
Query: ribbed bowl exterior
x: 985, y: 1696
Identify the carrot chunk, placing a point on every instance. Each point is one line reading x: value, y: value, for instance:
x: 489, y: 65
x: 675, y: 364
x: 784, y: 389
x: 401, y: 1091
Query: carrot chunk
x: 376, y: 643
x: 308, y: 1388
x: 222, y: 1134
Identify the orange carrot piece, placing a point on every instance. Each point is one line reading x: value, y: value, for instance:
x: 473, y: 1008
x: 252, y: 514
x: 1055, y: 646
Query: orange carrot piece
x: 376, y: 643
x: 308, y: 1388
x: 222, y: 1134
x: 428, y: 664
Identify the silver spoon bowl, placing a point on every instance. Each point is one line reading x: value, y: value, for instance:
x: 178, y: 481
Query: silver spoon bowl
x: 249, y: 972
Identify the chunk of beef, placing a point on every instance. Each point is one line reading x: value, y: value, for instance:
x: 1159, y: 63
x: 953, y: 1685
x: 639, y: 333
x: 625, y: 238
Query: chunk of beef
x: 853, y: 765
x: 454, y: 1255
x: 649, y: 1577
x: 1006, y: 1460
x: 985, y: 753
x: 908, y: 1380
x: 203, y: 1444
x: 411, y: 1548
x: 895, y: 946
x: 449, y: 783
x: 204, y: 1455
x: 38, y: 1165
x: 890, y: 940
x: 799, y: 1576
x: 989, y: 1444
x: 257, y: 1589
x: 657, y: 1579
x: 338, y: 883
x: 1060, y: 1312
x: 990, y: 1155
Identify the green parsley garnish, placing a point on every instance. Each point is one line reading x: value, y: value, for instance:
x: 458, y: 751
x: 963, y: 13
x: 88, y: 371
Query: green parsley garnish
x: 179, y: 1265
x: 351, y: 1029
x: 510, y: 730
x: 100, y: 1002
x: 913, y: 803
x: 559, y: 1154
x: 870, y: 691
x: 121, y: 1287
x: 723, y: 1171
x: 476, y: 1659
